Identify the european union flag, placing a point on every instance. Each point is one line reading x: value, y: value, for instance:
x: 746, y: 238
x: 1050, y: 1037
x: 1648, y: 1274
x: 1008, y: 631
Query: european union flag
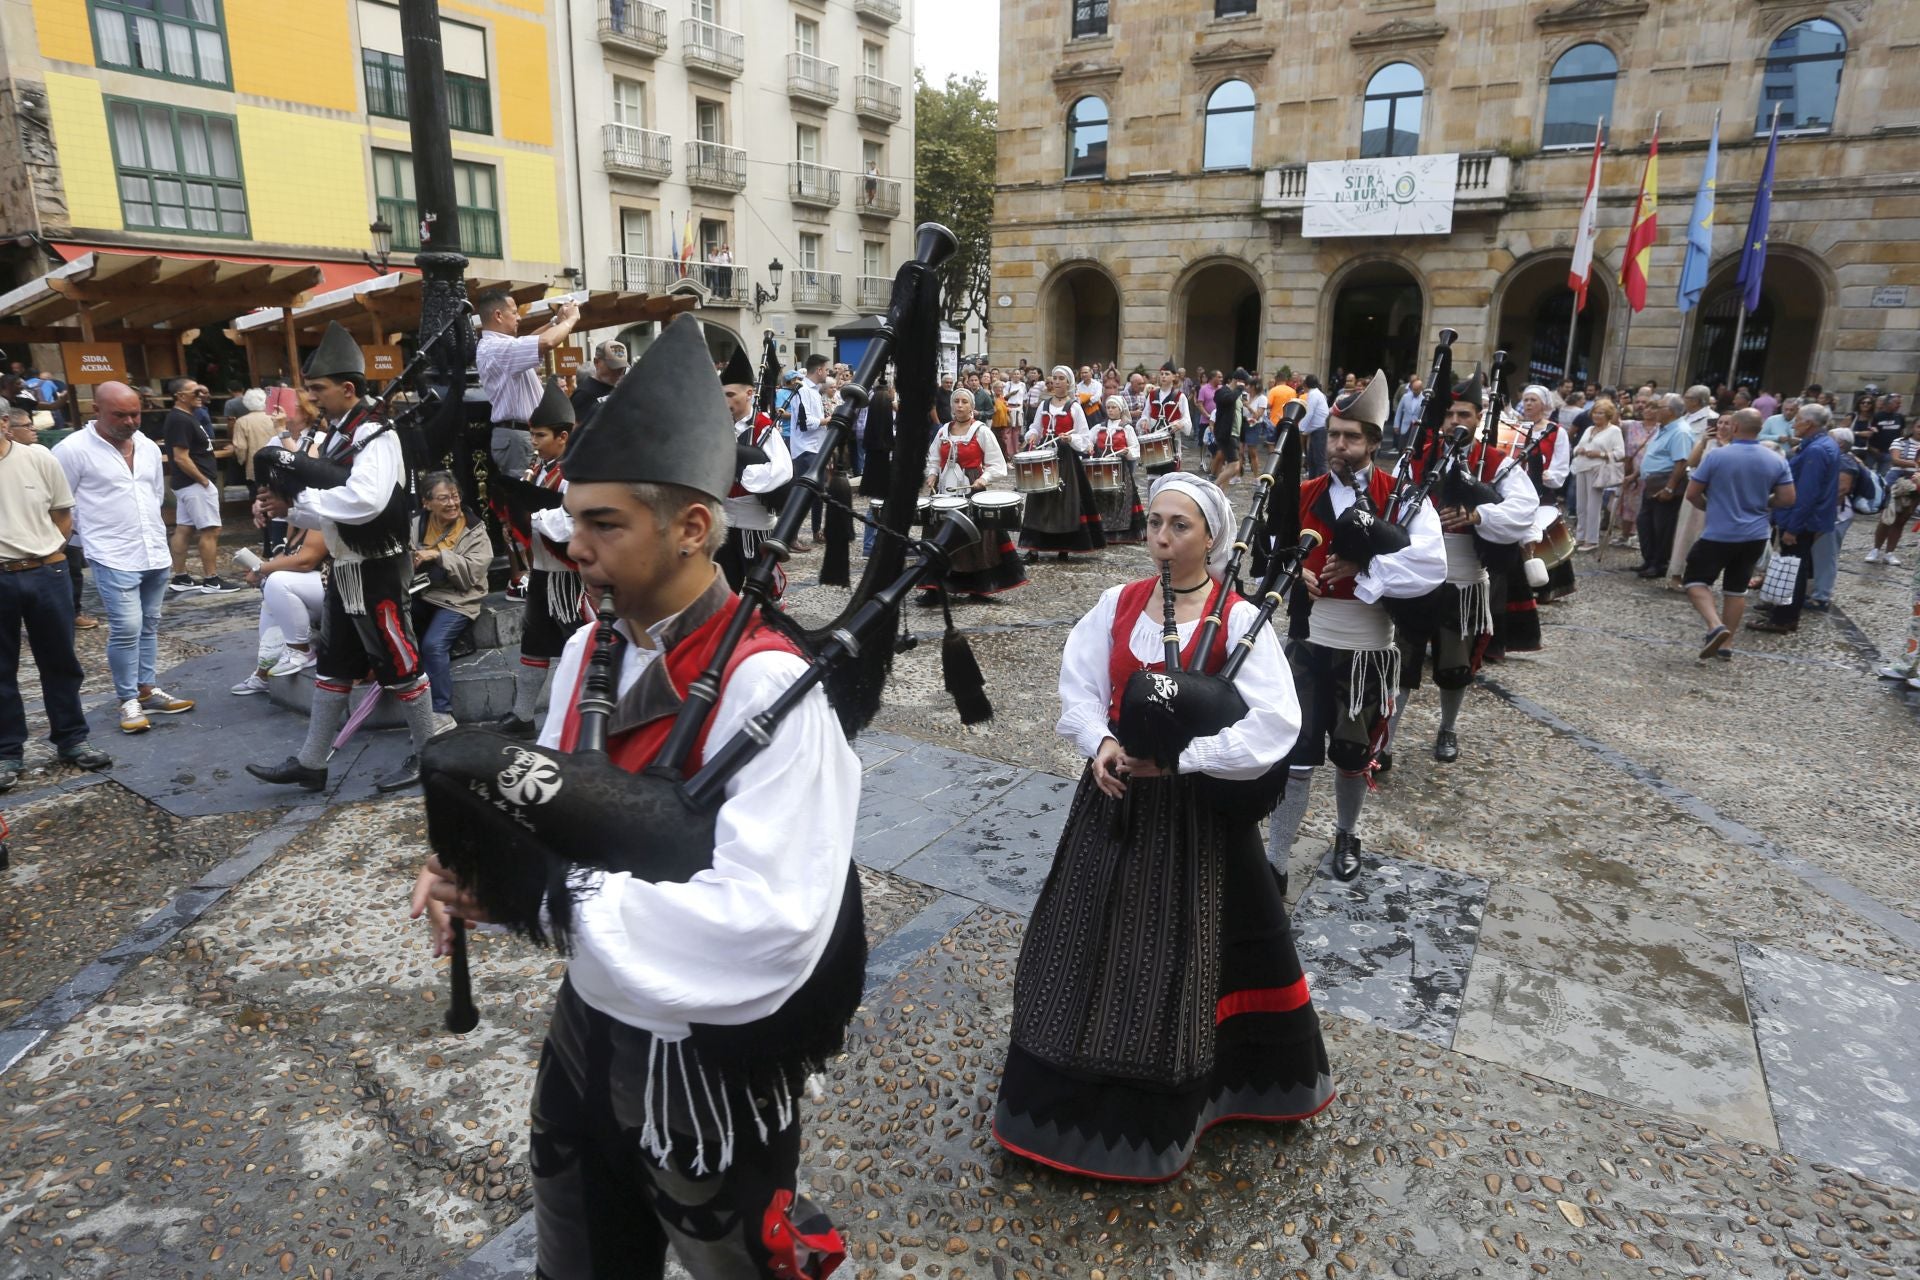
x: 1753, y: 254
x: 1693, y: 271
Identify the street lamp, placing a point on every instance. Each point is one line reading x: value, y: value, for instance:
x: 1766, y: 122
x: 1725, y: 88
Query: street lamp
x: 382, y: 234
x: 760, y: 296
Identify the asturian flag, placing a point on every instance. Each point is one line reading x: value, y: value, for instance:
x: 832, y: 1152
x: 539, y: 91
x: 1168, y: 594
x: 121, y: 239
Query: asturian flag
x: 1583, y: 237
x: 1693, y: 272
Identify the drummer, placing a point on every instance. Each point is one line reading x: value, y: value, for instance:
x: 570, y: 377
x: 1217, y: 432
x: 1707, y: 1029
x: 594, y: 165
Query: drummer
x: 962, y: 461
x: 1064, y: 519
x: 1167, y: 410
x: 1121, y: 515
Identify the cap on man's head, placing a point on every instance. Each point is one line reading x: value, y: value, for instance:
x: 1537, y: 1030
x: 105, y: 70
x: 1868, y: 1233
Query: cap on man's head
x: 611, y: 353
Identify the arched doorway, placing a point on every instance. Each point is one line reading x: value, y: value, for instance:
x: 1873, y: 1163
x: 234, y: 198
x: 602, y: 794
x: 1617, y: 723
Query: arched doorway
x: 1781, y: 335
x: 1083, y: 318
x: 1377, y: 316
x: 721, y: 341
x: 1220, y: 328
x: 1535, y: 309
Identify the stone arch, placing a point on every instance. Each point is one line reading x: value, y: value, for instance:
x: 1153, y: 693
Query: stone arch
x: 1216, y: 314
x: 1081, y: 315
x: 1390, y: 341
x: 1530, y: 307
x: 1785, y: 343
x: 723, y: 341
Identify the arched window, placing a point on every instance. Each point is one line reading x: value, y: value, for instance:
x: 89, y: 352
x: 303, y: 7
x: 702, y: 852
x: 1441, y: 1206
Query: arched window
x: 1087, y: 139
x: 1390, y: 119
x: 1229, y: 143
x: 1580, y: 92
x: 1803, y: 78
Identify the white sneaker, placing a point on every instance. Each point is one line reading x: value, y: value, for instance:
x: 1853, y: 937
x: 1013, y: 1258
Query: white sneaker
x: 1890, y: 558
x: 132, y: 718
x: 441, y: 723
x: 252, y: 684
x: 1894, y: 671
x: 293, y: 661
x: 1914, y: 683
x: 1873, y: 556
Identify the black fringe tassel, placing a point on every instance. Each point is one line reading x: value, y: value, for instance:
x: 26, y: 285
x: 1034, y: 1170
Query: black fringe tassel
x: 836, y: 559
x: 960, y: 672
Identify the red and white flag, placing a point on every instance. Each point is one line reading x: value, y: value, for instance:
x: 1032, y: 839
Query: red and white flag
x: 1583, y: 237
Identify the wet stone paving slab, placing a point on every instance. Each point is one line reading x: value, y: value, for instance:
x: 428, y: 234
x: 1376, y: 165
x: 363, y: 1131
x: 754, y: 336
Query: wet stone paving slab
x: 1628, y: 990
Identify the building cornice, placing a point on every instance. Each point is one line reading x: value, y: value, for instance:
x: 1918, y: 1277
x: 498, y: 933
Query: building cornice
x: 1232, y: 53
x: 1086, y: 73
x: 1400, y: 32
x: 1584, y: 15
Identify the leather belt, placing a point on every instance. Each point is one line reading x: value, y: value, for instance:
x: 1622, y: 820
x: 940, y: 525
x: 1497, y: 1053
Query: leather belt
x: 31, y: 562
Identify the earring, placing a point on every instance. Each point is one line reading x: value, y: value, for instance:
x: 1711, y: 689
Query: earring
x: 686, y: 551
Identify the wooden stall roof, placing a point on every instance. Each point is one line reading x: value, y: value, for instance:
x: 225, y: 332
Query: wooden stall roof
x: 375, y: 309
x: 105, y: 296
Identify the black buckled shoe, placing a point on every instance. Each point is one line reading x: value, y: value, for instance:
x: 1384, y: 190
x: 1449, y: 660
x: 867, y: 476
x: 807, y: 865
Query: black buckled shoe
x: 290, y: 770
x: 1446, y: 747
x: 407, y: 775
x: 1346, y: 856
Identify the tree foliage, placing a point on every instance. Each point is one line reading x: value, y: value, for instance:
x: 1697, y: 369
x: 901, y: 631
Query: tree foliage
x: 953, y: 176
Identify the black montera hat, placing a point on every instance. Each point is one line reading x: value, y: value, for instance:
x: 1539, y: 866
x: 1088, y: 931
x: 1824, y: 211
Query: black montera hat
x: 1472, y: 391
x: 666, y: 422
x: 337, y: 356
x: 554, y: 409
x: 739, y: 370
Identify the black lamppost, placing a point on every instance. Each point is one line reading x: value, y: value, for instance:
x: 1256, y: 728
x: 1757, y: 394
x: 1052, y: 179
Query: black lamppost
x: 382, y: 234
x: 760, y: 296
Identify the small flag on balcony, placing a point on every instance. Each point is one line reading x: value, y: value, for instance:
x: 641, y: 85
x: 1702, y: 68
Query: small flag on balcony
x: 1645, y: 229
x: 1753, y: 254
x: 686, y: 244
x: 673, y: 229
x: 1693, y: 272
x: 1582, y: 269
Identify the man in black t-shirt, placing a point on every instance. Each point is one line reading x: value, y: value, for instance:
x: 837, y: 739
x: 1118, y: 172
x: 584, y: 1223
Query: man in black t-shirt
x: 196, y: 489
x: 1229, y: 422
x: 1889, y: 424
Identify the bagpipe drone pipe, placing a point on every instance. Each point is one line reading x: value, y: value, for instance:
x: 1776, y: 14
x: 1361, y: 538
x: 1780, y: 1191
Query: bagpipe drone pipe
x: 1162, y: 712
x: 523, y: 828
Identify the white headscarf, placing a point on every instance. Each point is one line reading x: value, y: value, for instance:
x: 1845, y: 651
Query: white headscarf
x: 1111, y: 401
x: 1546, y: 397
x: 1063, y: 371
x: 1213, y: 507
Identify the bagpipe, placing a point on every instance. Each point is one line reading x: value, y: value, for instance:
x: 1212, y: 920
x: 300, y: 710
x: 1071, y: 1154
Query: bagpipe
x: 524, y: 828
x: 1459, y: 485
x: 1162, y: 712
x: 1362, y: 533
x: 745, y: 452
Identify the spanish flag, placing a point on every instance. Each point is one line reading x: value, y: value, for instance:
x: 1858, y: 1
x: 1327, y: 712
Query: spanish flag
x: 1645, y: 228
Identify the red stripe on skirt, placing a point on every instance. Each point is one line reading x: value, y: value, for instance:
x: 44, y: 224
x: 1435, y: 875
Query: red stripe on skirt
x: 1262, y: 1000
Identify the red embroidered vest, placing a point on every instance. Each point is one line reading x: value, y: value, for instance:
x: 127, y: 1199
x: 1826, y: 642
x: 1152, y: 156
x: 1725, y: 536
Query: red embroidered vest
x: 761, y: 425
x: 972, y: 457
x: 1055, y: 422
x: 634, y: 749
x: 1121, y: 660
x: 1109, y: 439
x: 1315, y: 498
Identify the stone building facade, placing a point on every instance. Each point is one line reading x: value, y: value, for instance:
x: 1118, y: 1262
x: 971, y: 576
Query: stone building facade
x: 1145, y: 213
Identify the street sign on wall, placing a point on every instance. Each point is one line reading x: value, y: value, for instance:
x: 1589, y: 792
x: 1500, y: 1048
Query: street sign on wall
x: 1398, y: 196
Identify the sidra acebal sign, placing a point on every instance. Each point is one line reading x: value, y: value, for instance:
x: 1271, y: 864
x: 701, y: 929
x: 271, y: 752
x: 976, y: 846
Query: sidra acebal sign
x: 1398, y: 196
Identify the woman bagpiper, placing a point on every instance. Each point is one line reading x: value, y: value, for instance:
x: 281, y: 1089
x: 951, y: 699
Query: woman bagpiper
x: 1159, y: 991
x: 1063, y: 520
x: 963, y: 460
x: 1122, y: 518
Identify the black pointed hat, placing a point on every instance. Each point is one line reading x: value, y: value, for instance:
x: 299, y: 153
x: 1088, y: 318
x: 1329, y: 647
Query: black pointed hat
x: 1473, y: 391
x: 739, y: 370
x: 666, y: 422
x: 337, y: 355
x: 554, y: 409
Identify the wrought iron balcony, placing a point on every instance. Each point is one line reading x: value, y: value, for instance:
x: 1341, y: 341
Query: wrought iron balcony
x: 879, y: 10
x: 708, y: 47
x: 1484, y: 182
x: 638, y: 153
x: 875, y: 292
x: 633, y: 26
x: 813, y: 184
x: 876, y: 99
x: 877, y: 196
x: 812, y: 80
x: 716, y: 166
x: 725, y: 286
x: 814, y: 290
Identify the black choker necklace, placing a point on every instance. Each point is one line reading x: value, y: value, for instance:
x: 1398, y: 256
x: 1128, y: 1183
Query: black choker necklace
x: 1201, y: 585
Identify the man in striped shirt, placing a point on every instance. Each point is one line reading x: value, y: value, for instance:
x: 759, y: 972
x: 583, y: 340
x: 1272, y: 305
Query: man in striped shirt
x: 509, y: 368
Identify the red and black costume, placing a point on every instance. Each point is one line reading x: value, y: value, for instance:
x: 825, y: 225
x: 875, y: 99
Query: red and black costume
x: 1066, y: 519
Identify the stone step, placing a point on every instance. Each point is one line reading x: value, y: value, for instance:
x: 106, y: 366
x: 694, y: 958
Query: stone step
x: 500, y: 623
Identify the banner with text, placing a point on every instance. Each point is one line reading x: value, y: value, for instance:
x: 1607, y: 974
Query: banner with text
x: 1399, y: 196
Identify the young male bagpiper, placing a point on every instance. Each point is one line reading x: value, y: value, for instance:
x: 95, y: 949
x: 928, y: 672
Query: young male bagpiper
x: 554, y: 609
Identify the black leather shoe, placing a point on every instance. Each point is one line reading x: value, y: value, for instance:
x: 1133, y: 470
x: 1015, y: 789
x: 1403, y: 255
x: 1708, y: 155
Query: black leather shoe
x: 86, y: 756
x: 1383, y: 763
x: 290, y: 770
x: 513, y: 726
x: 1446, y: 747
x: 1346, y: 855
x: 407, y: 775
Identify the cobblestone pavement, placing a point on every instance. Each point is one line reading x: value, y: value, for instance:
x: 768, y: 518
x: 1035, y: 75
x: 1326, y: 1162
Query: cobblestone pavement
x: 1629, y: 990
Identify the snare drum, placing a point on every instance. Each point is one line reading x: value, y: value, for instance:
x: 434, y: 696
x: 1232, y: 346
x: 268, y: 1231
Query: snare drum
x: 943, y: 505
x: 1156, y: 452
x: 1036, y: 471
x: 998, y: 510
x: 1556, y: 543
x: 922, y: 510
x: 1104, y: 475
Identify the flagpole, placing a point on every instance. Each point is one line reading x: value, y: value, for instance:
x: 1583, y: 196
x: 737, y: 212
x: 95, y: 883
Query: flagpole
x: 1627, y: 329
x: 1573, y: 316
x: 1740, y: 325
